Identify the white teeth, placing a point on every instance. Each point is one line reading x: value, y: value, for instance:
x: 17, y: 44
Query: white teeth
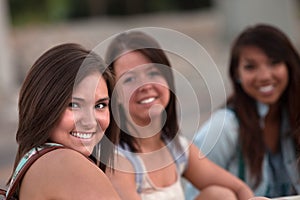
x: 149, y: 100
x: 266, y: 88
x: 82, y: 135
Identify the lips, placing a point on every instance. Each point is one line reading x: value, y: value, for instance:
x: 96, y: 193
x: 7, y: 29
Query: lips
x: 82, y: 135
x: 266, y: 89
x: 147, y: 100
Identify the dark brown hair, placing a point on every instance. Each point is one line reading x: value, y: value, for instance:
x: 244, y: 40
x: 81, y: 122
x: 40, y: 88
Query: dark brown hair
x: 276, y: 45
x: 47, y: 90
x: 149, y: 47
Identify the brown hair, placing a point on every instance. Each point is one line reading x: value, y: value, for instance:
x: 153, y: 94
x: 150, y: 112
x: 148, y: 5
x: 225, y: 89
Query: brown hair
x: 149, y: 47
x: 46, y: 91
x: 277, y: 46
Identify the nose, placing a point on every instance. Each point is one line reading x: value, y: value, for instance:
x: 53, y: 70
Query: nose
x: 265, y: 73
x: 145, y: 86
x: 88, y: 120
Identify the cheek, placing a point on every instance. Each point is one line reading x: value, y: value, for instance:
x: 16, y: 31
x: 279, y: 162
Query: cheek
x: 239, y: 75
x: 64, y: 125
x: 285, y: 77
x: 245, y: 78
x: 66, y: 122
x: 103, y: 119
x: 127, y: 97
x: 246, y: 85
x: 246, y: 82
x: 165, y: 89
x: 124, y: 94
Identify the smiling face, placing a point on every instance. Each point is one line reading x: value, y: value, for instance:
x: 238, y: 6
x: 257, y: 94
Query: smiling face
x: 144, y: 90
x: 262, y: 78
x: 84, y: 121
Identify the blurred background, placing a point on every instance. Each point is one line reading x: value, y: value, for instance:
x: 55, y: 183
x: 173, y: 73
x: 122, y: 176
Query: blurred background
x: 28, y: 28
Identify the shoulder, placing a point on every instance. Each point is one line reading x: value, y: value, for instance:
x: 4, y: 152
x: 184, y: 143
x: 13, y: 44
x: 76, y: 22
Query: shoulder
x: 222, y: 125
x: 222, y: 117
x: 123, y: 175
x: 62, y: 159
x: 62, y: 173
x: 180, y: 151
x: 125, y: 160
x: 59, y: 165
x: 218, y: 137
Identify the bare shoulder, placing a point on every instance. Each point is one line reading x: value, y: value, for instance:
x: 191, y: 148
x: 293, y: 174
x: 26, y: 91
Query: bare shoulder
x: 66, y: 174
x: 62, y: 161
x: 195, y: 152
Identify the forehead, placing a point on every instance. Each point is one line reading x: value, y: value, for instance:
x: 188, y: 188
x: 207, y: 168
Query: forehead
x: 129, y: 61
x: 93, y: 85
x: 250, y: 50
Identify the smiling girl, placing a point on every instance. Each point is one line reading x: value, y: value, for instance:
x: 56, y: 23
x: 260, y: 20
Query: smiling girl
x: 257, y: 141
x: 65, y: 101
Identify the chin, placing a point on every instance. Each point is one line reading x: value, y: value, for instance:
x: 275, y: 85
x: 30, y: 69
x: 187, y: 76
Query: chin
x: 269, y: 102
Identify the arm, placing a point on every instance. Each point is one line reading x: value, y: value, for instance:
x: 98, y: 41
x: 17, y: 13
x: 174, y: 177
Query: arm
x: 123, y: 178
x: 202, y: 173
x: 217, y: 138
x: 68, y: 175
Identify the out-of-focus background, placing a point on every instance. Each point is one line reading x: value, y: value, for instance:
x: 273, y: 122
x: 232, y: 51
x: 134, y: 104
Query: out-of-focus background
x: 28, y: 28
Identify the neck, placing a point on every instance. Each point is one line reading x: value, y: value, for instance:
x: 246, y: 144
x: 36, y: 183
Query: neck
x: 143, y: 130
x: 150, y: 144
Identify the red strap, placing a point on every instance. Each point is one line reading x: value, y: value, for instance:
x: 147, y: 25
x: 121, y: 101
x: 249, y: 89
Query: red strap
x: 2, y: 192
x: 24, y: 169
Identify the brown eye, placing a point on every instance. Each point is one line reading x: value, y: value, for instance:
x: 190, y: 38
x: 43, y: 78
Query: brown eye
x: 129, y: 79
x: 249, y: 67
x: 101, y: 105
x: 154, y: 73
x: 73, y: 105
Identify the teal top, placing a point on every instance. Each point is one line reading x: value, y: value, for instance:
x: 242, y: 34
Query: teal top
x: 25, y: 160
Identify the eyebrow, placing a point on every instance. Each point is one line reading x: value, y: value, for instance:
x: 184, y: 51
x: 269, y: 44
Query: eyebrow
x: 99, y: 100
x: 103, y: 99
x: 133, y: 71
x: 77, y: 99
x: 127, y: 72
x: 248, y: 60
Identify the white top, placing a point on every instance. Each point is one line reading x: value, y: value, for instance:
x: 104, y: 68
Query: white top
x: 152, y: 192
x: 145, y: 187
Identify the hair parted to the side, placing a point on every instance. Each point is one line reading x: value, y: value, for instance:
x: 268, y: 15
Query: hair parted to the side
x: 276, y: 45
x: 47, y: 90
x: 150, y: 48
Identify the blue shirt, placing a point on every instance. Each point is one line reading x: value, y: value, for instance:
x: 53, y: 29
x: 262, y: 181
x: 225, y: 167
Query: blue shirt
x: 218, y: 140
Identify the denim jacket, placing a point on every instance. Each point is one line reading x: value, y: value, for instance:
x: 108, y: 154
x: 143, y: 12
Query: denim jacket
x: 218, y: 140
